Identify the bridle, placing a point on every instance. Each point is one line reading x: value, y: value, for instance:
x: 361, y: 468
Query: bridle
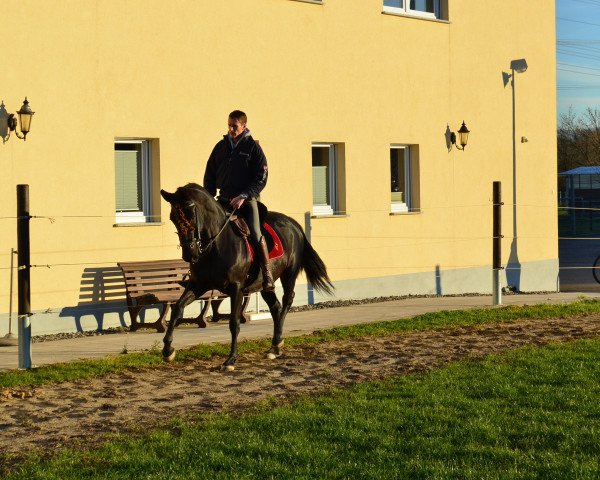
x: 195, y: 238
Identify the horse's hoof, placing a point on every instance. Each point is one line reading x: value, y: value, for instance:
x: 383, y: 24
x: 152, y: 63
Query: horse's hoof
x: 274, y: 351
x: 169, y: 358
x: 228, y: 368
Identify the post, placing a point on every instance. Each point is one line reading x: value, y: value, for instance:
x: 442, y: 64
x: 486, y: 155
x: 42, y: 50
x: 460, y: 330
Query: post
x: 497, y: 243
x: 10, y: 303
x: 9, y: 339
x: 572, y: 209
x: 23, y: 284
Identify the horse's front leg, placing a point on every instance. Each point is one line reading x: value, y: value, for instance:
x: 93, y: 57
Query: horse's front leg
x: 234, y: 326
x: 176, y: 313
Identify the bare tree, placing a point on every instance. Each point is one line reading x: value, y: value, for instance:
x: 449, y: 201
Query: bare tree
x: 578, y: 139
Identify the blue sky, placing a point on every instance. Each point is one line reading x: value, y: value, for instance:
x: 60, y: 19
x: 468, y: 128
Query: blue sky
x: 578, y: 54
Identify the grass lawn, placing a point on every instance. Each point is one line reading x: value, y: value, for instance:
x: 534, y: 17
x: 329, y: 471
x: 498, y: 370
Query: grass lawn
x: 530, y: 413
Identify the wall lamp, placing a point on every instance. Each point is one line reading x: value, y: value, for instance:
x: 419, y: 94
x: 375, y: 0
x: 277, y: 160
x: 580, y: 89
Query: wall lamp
x: 463, y: 137
x: 8, y: 121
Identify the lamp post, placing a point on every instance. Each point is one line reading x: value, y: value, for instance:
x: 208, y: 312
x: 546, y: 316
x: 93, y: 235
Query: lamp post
x: 9, y: 123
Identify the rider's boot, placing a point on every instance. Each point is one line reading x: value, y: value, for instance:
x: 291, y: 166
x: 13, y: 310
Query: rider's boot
x: 263, y: 258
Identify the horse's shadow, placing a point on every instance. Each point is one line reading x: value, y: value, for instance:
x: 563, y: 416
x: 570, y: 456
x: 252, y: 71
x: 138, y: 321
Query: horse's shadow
x: 102, y: 297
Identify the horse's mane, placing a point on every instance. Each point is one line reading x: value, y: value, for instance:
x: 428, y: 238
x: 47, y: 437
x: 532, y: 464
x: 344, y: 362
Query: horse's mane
x: 194, y: 191
x: 191, y: 189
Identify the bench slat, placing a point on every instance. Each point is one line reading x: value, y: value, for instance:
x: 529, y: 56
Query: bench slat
x: 155, y: 287
x: 156, y: 271
x: 154, y: 263
x: 169, y: 297
x: 155, y: 274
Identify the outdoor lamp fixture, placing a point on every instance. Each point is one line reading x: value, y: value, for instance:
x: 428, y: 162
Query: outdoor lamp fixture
x: 8, y: 121
x: 463, y: 137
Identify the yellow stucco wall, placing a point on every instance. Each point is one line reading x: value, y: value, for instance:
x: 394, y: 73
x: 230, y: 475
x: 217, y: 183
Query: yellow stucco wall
x: 337, y: 72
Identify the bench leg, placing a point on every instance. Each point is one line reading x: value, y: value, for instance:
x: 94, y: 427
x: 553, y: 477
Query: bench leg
x: 160, y: 324
x: 215, y: 304
x: 133, y: 314
x: 216, y: 316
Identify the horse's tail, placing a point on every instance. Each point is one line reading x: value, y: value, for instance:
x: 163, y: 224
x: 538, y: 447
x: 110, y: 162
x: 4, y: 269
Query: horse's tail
x: 315, y: 269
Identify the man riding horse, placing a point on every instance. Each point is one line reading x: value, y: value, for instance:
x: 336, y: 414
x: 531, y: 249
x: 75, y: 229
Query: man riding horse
x: 237, y: 167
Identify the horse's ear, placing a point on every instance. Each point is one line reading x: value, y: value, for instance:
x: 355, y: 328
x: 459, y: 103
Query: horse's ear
x: 169, y: 197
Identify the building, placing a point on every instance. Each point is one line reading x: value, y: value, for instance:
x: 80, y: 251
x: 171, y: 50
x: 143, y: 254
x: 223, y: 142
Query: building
x: 579, y: 198
x: 353, y: 101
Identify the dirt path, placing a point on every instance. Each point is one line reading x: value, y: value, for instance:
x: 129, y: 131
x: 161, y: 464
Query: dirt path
x: 83, y: 412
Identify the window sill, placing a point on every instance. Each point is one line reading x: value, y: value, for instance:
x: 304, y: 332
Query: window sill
x: 318, y: 2
x: 335, y: 215
x: 415, y: 212
x: 418, y: 17
x: 139, y: 224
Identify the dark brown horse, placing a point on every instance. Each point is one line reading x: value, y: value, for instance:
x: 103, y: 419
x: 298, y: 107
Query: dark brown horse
x: 219, y: 260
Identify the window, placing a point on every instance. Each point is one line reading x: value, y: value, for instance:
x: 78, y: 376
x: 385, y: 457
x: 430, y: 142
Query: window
x: 404, y: 170
x: 328, y: 178
x: 420, y: 8
x: 133, y: 181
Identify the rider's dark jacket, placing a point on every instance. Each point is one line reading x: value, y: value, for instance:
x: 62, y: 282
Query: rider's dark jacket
x: 239, y: 170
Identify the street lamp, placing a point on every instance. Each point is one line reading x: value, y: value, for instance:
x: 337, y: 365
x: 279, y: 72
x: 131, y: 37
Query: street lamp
x: 8, y: 121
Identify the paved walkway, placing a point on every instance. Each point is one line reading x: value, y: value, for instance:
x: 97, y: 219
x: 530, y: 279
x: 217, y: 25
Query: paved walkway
x: 297, y: 323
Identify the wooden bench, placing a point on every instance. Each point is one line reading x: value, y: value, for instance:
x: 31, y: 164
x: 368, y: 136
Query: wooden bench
x: 157, y: 282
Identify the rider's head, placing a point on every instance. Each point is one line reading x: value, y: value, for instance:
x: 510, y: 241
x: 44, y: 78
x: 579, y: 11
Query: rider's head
x: 236, y: 124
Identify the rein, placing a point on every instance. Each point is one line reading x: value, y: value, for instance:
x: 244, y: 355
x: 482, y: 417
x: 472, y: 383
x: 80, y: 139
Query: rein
x: 196, y: 229
x: 212, y: 240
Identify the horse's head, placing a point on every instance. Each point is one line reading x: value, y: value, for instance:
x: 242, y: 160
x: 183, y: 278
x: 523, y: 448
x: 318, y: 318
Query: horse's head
x: 186, y: 216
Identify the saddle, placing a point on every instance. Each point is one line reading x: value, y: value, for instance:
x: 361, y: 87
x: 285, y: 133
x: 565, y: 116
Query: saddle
x: 274, y: 245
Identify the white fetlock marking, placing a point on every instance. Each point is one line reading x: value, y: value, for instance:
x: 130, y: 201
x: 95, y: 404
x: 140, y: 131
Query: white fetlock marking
x: 170, y: 358
x: 271, y: 356
x: 230, y: 368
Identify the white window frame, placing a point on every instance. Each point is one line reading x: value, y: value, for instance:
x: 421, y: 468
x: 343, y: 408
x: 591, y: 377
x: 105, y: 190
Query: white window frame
x: 406, y: 205
x: 406, y: 10
x: 144, y: 215
x: 332, y: 206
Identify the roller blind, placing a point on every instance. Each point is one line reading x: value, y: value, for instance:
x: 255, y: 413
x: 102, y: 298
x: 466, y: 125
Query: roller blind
x: 320, y: 190
x: 128, y: 179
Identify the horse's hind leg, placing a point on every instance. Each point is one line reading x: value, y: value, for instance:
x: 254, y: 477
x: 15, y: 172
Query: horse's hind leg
x: 288, y: 296
x: 176, y: 313
x: 288, y: 282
